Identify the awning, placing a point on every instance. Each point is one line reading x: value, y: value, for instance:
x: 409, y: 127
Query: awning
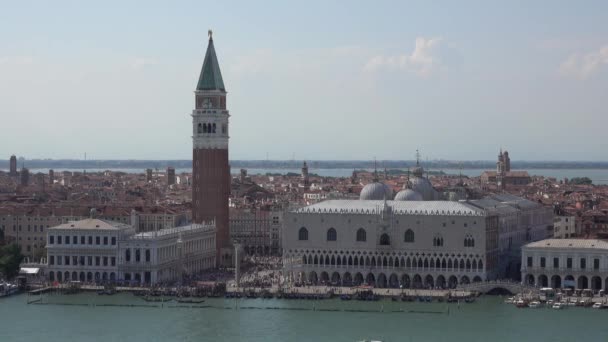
x: 29, y: 270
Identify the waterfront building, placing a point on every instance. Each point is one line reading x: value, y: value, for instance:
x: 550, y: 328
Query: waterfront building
x: 564, y: 227
x: 95, y: 250
x: 520, y: 221
x: 210, y: 168
x: 414, y: 244
x: 167, y: 255
x: 85, y: 250
x: 561, y: 263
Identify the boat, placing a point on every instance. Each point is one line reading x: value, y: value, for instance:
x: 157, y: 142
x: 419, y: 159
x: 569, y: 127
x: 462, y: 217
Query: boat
x: 521, y: 303
x: 510, y: 300
x: 8, y: 289
x: 597, y: 305
x: 345, y: 297
x: 533, y: 305
x: 557, y: 306
x: 190, y: 301
x: 550, y: 303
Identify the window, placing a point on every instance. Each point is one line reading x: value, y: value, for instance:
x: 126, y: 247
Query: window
x: 137, y: 255
x: 303, y: 234
x: 113, y: 240
x: 438, y: 241
x: 66, y: 260
x: 105, y: 240
x: 555, y: 262
x: 596, y: 264
x: 82, y: 240
x: 542, y: 262
x: 331, y: 234
x: 52, y: 260
x: 385, y: 240
x: 105, y: 261
x: 569, y: 263
x: 113, y: 261
x: 409, y: 236
x: 128, y: 255
x: 90, y: 260
x: 51, y: 239
x: 469, y: 241
x: 67, y: 240
x: 90, y: 240
x: 361, y: 235
x: 147, y: 255
x: 75, y: 240
x: 583, y: 263
x: 75, y: 260
x: 529, y: 261
x: 97, y: 261
x: 97, y: 240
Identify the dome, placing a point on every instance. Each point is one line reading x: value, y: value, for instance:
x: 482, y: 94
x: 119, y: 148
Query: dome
x: 376, y: 191
x: 422, y: 186
x: 408, y: 195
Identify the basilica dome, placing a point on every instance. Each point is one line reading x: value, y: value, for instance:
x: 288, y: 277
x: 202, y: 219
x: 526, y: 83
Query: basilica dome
x: 376, y: 191
x: 408, y: 195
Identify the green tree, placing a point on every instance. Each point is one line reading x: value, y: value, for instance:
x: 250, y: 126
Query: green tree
x: 581, y: 181
x: 10, y: 258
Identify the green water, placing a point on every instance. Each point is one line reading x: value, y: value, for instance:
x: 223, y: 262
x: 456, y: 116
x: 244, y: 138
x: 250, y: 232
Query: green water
x: 219, y: 320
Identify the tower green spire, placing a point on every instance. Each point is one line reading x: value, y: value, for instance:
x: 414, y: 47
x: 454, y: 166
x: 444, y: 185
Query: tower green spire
x: 211, y: 76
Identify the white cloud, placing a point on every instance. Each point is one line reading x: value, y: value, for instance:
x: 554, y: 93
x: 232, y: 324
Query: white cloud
x: 424, y: 60
x: 582, y: 66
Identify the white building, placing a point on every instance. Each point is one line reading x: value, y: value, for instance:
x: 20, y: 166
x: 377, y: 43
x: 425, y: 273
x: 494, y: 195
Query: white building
x: 417, y: 244
x: 95, y: 250
x: 561, y: 263
x: 167, y: 254
x: 411, y: 243
x: 85, y: 250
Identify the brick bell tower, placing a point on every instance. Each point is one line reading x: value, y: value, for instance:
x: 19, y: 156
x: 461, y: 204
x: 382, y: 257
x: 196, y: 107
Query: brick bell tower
x: 210, y: 168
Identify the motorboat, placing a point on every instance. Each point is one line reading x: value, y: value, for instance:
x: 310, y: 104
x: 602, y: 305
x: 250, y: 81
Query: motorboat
x: 7, y: 289
x: 597, y: 305
x: 534, y: 304
x: 521, y: 303
x: 510, y: 300
x: 550, y: 303
x: 558, y: 306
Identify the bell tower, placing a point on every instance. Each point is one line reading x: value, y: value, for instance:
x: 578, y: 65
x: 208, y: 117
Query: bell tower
x: 210, y: 167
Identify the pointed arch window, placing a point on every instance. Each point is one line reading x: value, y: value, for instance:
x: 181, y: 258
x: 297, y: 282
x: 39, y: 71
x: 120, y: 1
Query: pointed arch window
x: 409, y: 236
x: 361, y: 235
x: 385, y: 240
x: 199, y: 128
x: 332, y: 235
x: 438, y: 241
x: 303, y: 234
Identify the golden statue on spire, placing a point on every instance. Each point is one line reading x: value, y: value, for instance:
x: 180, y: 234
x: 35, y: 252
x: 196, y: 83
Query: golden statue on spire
x: 210, y: 34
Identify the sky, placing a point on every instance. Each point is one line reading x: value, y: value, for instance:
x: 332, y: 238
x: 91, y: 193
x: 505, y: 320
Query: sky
x: 315, y: 80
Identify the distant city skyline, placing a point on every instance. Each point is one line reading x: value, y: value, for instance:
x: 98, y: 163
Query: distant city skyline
x: 308, y: 81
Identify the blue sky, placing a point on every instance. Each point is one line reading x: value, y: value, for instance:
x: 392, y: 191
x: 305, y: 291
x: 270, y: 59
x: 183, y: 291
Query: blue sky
x: 313, y: 79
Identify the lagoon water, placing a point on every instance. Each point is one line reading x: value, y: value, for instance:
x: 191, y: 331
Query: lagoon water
x: 260, y: 320
x: 598, y: 176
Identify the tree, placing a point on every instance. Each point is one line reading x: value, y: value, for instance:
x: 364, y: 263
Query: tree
x: 10, y: 258
x: 581, y: 181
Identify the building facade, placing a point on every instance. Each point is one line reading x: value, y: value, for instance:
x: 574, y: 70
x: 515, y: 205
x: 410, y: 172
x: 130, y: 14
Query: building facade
x: 566, y: 263
x: 13, y: 166
x: 100, y: 251
x: 167, y: 255
x: 257, y: 231
x: 413, y: 244
x: 211, y: 171
x: 85, y: 250
x: 564, y: 227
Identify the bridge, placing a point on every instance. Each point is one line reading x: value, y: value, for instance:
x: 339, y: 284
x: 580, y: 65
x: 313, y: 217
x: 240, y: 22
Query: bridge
x: 506, y: 285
